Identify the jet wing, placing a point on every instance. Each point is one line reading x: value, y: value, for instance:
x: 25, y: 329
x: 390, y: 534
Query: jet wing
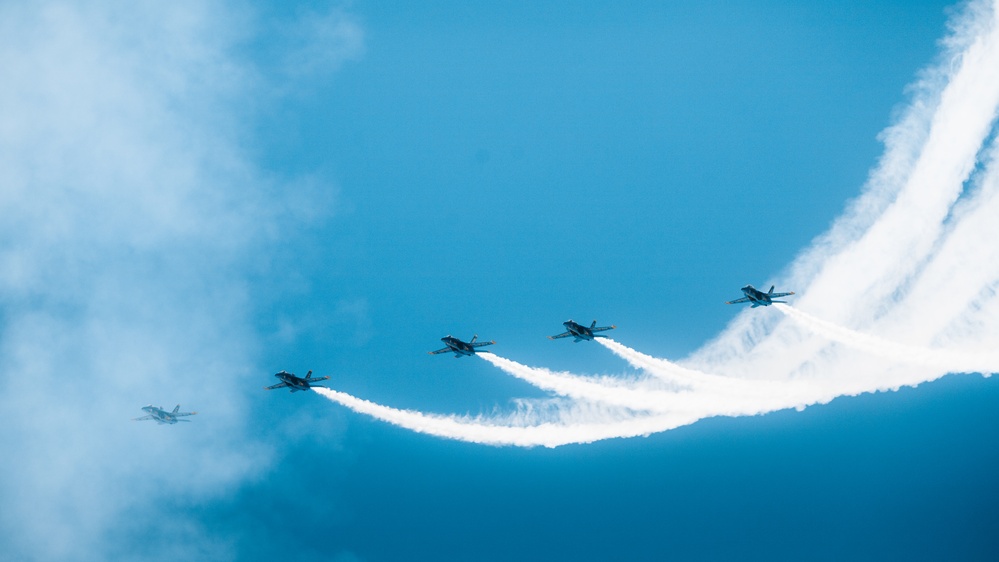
x: 482, y: 343
x: 143, y: 418
x: 779, y: 295
x: 445, y: 350
x: 278, y: 385
x: 560, y: 336
x: 602, y: 328
x: 185, y: 414
x: 737, y: 301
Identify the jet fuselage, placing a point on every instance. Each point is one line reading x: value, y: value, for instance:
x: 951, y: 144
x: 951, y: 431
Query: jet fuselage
x: 296, y: 383
x: 757, y: 296
x: 159, y: 414
x: 461, y: 348
x: 760, y: 298
x: 579, y: 331
x: 458, y: 346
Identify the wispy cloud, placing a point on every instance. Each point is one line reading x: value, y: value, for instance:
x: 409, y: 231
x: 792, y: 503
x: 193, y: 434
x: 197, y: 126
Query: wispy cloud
x: 322, y: 41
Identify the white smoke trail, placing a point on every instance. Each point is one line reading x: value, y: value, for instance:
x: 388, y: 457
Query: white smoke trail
x: 890, y: 233
x: 717, y: 396
x: 948, y: 361
x: 579, y: 422
x: 604, y: 424
x: 573, y: 424
x: 634, y: 394
x: 881, y: 260
x: 895, y: 255
x: 969, y: 247
x: 661, y: 368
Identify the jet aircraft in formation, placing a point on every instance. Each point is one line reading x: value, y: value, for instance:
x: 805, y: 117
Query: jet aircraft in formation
x: 296, y: 383
x: 460, y: 348
x: 758, y: 297
x: 162, y: 416
x: 579, y: 332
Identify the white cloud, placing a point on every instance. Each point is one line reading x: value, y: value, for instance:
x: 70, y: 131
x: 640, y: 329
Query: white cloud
x: 132, y: 216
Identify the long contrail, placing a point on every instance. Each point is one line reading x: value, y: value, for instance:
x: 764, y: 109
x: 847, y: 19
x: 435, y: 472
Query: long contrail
x: 890, y: 234
x: 662, y: 368
x: 622, y: 393
x: 571, y: 425
x: 509, y: 432
x: 954, y: 362
x: 883, y: 258
x: 725, y: 396
x: 913, y: 260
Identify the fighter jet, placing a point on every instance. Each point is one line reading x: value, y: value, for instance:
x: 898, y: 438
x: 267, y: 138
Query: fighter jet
x: 296, y: 383
x: 579, y: 332
x: 758, y: 297
x: 162, y: 416
x: 460, y: 348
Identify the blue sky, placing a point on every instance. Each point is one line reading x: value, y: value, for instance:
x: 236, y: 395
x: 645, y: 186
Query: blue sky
x: 199, y: 197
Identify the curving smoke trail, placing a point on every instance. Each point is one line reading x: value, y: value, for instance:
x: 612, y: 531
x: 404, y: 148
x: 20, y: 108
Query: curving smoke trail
x: 666, y: 370
x: 913, y: 260
x: 633, y: 394
x: 726, y: 396
x: 570, y: 426
x: 941, y: 359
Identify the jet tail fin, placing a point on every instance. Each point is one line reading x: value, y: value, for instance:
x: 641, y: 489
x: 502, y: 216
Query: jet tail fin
x: 771, y: 289
x: 308, y: 375
x: 593, y: 325
x: 176, y: 409
x: 475, y: 337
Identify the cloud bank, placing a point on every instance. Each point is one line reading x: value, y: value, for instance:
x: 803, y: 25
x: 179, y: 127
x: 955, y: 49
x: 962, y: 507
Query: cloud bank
x: 133, y: 218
